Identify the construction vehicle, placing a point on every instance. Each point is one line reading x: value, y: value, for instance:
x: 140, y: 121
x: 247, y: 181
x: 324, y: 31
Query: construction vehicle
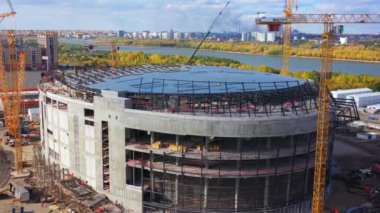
x: 11, y: 86
x: 324, y: 97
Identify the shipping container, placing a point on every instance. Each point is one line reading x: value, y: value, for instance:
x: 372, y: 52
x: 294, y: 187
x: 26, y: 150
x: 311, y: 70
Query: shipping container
x: 344, y: 93
x: 365, y: 99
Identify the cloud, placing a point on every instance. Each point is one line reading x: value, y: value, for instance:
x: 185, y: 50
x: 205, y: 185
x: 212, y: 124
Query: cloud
x: 183, y: 15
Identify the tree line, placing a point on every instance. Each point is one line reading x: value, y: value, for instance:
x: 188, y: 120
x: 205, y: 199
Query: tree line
x: 75, y: 55
x: 359, y: 51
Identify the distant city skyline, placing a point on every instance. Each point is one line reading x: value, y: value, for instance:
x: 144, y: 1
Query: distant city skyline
x: 181, y: 15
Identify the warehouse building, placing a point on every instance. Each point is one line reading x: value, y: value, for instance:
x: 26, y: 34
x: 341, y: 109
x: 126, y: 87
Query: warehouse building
x: 185, y: 138
x: 345, y: 93
x: 365, y: 99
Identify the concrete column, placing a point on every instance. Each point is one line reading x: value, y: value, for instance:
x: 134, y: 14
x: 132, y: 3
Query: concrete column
x: 207, y: 142
x: 237, y: 181
x: 237, y: 184
x: 288, y: 188
x: 151, y: 178
x: 205, y: 192
x: 306, y: 181
x: 266, y: 192
x: 289, y: 175
x: 176, y: 193
x: 177, y: 139
x: 307, y: 170
x: 152, y: 138
x: 176, y: 183
x: 267, y: 180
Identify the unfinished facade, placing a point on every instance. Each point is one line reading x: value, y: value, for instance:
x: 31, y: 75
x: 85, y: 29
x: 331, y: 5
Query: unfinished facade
x: 185, y: 139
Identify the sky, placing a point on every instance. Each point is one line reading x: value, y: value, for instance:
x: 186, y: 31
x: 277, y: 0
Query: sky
x: 181, y: 15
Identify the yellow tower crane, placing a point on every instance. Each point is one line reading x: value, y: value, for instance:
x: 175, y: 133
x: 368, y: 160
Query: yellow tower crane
x: 11, y: 86
x: 114, y: 59
x: 323, y: 122
x: 288, y: 11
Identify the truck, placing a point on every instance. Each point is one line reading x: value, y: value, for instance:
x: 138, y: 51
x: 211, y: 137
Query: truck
x: 363, y: 136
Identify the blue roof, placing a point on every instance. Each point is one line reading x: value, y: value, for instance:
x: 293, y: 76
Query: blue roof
x: 197, y: 80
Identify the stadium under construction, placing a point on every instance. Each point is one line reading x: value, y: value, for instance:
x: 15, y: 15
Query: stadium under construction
x: 185, y: 138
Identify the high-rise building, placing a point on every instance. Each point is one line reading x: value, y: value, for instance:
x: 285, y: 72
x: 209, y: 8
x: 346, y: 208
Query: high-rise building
x: 171, y: 34
x: 49, y: 48
x: 271, y: 37
x: 145, y: 34
x: 32, y: 53
x: 33, y: 58
x: 245, y: 36
x: 165, y: 35
x: 261, y: 37
x: 121, y: 34
x: 178, y: 35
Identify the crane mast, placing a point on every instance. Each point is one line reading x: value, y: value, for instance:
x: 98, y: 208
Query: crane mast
x: 114, y: 59
x: 323, y: 121
x: 13, y: 93
x: 11, y: 86
x: 325, y: 73
x: 287, y: 32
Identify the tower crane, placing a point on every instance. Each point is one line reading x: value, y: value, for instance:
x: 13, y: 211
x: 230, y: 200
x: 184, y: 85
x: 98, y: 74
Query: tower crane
x: 114, y: 59
x: 11, y: 86
x: 324, y: 101
x: 287, y: 32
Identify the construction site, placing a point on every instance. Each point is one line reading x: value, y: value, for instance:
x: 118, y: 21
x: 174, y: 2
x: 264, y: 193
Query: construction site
x: 186, y: 138
x: 184, y: 145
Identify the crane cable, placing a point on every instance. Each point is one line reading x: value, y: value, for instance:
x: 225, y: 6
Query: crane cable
x: 208, y: 33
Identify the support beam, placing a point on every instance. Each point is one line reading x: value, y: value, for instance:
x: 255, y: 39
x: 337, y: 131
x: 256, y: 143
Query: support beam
x: 205, y: 193
x: 267, y: 179
x: 176, y: 192
x: 152, y: 138
x: 237, y: 185
x: 289, y: 182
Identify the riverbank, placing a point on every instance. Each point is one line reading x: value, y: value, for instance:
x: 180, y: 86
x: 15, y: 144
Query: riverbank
x: 243, y: 53
x: 293, y: 56
x: 296, y: 63
x: 354, y: 53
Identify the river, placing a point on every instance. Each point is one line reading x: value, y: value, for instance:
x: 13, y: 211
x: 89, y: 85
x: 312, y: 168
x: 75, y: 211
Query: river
x: 296, y: 63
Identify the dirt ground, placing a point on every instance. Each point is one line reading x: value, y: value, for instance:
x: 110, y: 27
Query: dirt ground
x: 6, y: 164
x: 351, y: 153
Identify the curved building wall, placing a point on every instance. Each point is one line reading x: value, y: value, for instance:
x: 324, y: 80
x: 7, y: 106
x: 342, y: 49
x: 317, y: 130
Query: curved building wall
x: 150, y: 161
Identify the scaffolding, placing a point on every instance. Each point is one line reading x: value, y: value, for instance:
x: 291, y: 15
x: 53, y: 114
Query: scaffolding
x: 211, y: 98
x: 224, y: 179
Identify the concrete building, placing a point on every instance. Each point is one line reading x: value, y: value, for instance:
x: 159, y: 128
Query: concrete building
x: 49, y: 44
x: 165, y: 35
x: 145, y: 34
x: 33, y: 58
x: 343, y: 40
x: 261, y: 37
x: 156, y: 142
x: 271, y: 37
x: 179, y: 35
